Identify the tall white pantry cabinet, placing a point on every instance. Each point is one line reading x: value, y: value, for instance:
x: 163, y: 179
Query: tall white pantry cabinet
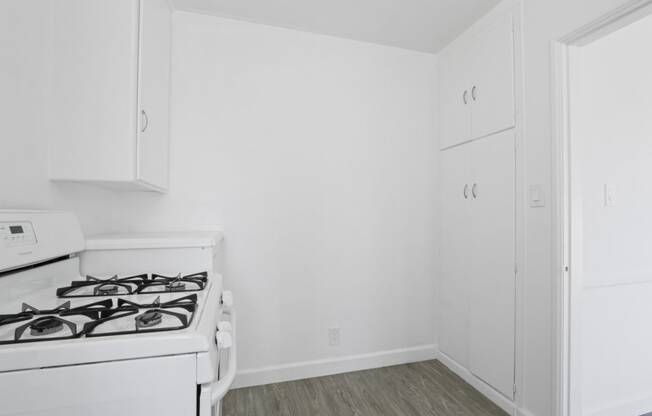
x: 111, y: 79
x: 478, y: 173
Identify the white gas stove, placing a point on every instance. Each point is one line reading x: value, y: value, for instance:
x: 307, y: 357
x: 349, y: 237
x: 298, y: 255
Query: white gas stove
x: 120, y: 324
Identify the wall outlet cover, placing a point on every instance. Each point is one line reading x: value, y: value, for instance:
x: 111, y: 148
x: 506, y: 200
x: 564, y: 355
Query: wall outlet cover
x: 334, y: 336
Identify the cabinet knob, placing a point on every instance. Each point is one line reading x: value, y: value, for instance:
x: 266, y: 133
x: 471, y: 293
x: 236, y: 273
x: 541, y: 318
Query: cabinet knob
x: 474, y: 191
x: 466, y: 191
x: 465, y: 97
x: 474, y: 94
x: 145, y: 122
x: 227, y: 300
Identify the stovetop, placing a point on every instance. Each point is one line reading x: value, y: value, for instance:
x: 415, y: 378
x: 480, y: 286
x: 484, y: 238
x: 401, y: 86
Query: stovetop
x: 107, y: 317
x: 99, y: 306
x: 133, y: 285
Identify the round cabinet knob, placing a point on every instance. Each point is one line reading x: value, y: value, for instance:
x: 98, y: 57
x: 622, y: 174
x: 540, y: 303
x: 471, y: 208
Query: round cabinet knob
x: 224, y: 326
x: 227, y: 299
x: 223, y: 340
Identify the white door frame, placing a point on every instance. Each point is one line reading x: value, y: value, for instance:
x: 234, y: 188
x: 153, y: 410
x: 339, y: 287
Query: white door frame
x: 567, y: 279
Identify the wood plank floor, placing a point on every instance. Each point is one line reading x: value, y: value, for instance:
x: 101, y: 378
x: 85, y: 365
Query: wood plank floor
x: 419, y: 389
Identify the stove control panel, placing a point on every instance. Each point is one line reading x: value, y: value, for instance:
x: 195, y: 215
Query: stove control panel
x: 17, y: 234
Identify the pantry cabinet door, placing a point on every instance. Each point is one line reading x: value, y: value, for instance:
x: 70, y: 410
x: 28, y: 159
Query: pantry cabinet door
x: 454, y: 96
x: 455, y: 254
x: 492, y: 85
x: 492, y: 282
x: 154, y: 88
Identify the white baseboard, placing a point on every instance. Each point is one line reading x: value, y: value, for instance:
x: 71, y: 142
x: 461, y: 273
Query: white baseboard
x: 329, y: 366
x: 500, y: 400
x: 523, y: 412
x: 630, y: 407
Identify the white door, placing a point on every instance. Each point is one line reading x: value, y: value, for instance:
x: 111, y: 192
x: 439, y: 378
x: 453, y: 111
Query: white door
x: 455, y: 253
x: 455, y: 97
x: 492, y: 281
x: 492, y: 89
x: 154, y: 88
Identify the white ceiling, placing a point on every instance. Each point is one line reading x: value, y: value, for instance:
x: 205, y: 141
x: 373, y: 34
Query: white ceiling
x: 423, y: 25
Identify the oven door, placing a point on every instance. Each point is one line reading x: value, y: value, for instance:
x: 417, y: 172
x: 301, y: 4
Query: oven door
x: 162, y: 386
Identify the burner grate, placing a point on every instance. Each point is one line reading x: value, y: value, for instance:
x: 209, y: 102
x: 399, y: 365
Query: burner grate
x: 46, y: 322
x: 133, y: 285
x: 180, y: 311
x: 164, y: 284
x: 98, y: 319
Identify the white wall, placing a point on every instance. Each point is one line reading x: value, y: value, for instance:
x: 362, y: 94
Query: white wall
x: 613, y: 129
x: 268, y: 240
x: 317, y: 156
x: 544, y: 21
x: 25, y: 103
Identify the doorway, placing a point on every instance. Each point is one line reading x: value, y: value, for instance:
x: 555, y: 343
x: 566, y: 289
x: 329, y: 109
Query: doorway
x: 603, y: 121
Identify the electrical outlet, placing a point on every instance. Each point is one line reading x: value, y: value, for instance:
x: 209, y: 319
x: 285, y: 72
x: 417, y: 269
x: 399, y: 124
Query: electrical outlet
x: 334, y: 336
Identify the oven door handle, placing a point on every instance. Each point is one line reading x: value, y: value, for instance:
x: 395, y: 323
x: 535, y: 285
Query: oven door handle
x: 220, y: 387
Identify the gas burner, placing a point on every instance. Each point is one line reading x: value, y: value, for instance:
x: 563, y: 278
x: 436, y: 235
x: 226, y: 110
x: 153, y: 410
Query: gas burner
x: 107, y: 290
x: 94, y: 286
x: 46, y: 325
x: 148, y: 319
x: 176, y: 286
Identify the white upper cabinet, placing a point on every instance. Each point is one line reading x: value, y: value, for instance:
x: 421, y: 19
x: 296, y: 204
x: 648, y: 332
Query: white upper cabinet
x: 477, y: 83
x: 455, y: 96
x: 111, y: 86
x: 154, y: 80
x: 492, y: 92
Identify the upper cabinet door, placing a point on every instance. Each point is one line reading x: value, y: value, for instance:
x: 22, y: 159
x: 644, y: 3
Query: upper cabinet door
x: 94, y: 82
x: 455, y: 97
x: 154, y: 82
x: 492, y: 88
x: 111, y: 79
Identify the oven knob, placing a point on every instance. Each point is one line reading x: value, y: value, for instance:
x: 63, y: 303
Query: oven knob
x: 223, y: 340
x: 227, y: 299
x: 224, y: 326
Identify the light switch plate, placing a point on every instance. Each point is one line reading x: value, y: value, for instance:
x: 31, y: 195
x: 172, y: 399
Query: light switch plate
x: 536, y: 196
x: 609, y: 195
